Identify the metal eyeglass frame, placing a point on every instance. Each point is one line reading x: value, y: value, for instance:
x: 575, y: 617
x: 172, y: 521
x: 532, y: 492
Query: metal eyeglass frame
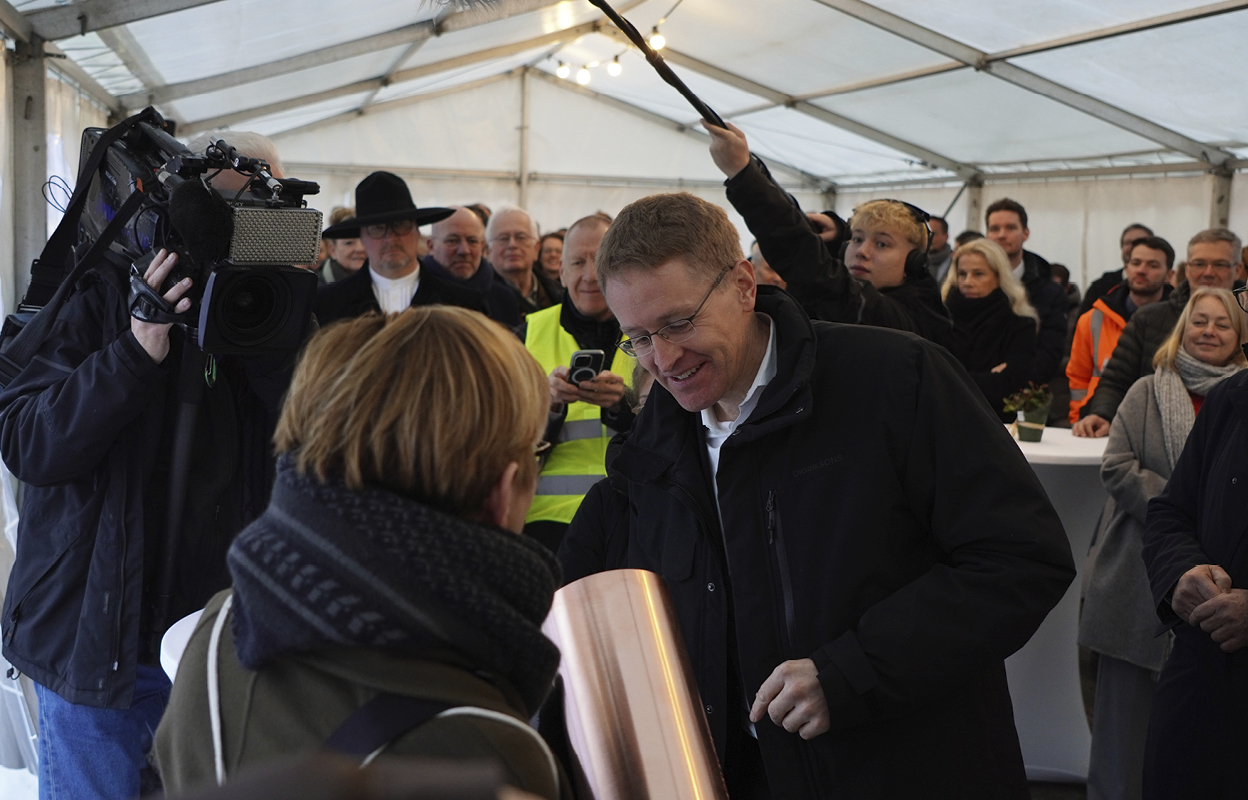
x: 640, y: 345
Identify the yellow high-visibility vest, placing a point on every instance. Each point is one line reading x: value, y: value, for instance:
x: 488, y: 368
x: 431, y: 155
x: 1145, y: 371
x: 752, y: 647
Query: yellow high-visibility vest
x: 577, y: 460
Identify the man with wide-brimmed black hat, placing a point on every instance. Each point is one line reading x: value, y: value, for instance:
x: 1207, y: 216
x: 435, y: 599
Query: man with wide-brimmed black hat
x: 386, y: 222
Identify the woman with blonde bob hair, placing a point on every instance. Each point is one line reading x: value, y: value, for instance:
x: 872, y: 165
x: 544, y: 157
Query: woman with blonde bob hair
x: 1119, y: 617
x: 388, y: 571
x: 994, y: 327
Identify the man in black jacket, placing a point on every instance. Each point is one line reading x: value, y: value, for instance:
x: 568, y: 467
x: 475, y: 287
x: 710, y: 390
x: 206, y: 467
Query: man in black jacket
x: 848, y: 568
x: 1007, y: 226
x: 876, y: 285
x: 456, y: 247
x: 386, y: 222
x: 1108, y: 280
x: 1211, y: 259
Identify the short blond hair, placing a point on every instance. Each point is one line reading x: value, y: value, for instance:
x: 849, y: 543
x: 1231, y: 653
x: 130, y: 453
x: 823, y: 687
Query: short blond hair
x: 1169, y: 349
x: 656, y: 229
x: 432, y: 403
x: 891, y: 214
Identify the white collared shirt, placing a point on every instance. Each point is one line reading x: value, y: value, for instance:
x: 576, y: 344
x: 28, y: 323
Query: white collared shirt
x: 718, y: 432
x: 395, y: 294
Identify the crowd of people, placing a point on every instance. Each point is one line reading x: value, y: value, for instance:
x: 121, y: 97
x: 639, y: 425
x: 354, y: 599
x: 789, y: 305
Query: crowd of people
x: 378, y: 523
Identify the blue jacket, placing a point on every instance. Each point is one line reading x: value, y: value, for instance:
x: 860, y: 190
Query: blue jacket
x: 85, y: 427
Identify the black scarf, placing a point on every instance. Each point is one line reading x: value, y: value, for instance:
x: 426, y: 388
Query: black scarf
x: 981, y: 328
x: 325, y: 566
x: 590, y: 334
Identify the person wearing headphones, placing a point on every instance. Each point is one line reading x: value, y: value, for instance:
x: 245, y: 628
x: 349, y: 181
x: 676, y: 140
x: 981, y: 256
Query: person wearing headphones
x: 882, y: 278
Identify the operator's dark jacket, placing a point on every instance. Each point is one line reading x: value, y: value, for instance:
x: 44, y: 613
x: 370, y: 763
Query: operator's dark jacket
x: 1049, y: 300
x: 1196, y: 732
x: 86, y: 427
x: 822, y: 285
x: 497, y: 297
x: 905, y: 555
x: 353, y: 296
x: 1146, y: 331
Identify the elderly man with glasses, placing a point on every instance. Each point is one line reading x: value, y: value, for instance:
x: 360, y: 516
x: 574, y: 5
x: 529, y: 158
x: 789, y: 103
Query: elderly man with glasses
x: 1212, y: 256
x: 514, y: 246
x: 849, y: 568
x: 386, y: 222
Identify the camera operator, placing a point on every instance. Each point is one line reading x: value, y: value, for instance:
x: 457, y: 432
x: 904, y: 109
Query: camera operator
x: 89, y: 427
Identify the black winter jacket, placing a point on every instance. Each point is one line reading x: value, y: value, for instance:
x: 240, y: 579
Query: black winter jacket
x: 1146, y: 331
x: 497, y: 297
x: 822, y: 285
x: 906, y: 556
x: 597, y: 538
x: 1196, y: 735
x: 86, y: 428
x: 1050, y: 303
x: 353, y: 296
x: 987, y: 332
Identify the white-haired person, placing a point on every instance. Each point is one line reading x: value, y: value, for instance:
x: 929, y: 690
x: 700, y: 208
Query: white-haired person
x: 1119, y: 617
x: 994, y: 326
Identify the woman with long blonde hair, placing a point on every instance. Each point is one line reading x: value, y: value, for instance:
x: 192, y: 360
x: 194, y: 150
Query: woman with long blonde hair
x: 994, y: 327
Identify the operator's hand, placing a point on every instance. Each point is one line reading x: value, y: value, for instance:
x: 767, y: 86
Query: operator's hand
x: 729, y: 149
x: 1197, y: 586
x: 154, y: 337
x: 605, y: 391
x: 794, y: 700
x: 561, y: 392
x: 1225, y: 619
x: 824, y: 224
x: 1091, y: 427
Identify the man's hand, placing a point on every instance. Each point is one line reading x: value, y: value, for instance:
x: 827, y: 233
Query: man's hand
x: 1225, y: 619
x: 154, y: 337
x: 1197, y: 586
x: 794, y: 700
x: 1091, y: 427
x: 729, y: 149
x: 824, y: 224
x: 605, y: 391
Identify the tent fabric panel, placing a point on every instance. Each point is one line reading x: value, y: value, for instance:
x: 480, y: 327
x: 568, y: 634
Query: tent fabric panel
x: 455, y: 77
x: 69, y: 112
x: 274, y: 124
x: 976, y: 118
x: 997, y: 25
x: 475, y: 130
x: 234, y: 34
x: 101, y: 63
x: 820, y: 148
x: 794, y: 46
x: 573, y: 134
x: 1180, y: 76
x: 285, y: 87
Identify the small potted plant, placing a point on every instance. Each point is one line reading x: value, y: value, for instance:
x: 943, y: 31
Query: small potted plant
x: 1032, y: 406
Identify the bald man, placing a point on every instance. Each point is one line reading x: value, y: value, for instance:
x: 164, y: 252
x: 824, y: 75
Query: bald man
x: 456, y: 247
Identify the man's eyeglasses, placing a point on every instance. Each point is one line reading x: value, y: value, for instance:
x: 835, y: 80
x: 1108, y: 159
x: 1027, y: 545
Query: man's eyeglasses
x: 1241, y: 294
x: 1200, y: 265
x: 401, y: 227
x: 680, y: 330
x: 519, y: 238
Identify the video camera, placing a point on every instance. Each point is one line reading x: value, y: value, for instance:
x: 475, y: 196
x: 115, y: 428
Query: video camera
x: 140, y: 190
x: 237, y: 247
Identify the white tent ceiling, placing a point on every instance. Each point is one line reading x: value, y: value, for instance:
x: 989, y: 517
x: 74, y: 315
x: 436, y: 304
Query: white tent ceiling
x: 844, y: 91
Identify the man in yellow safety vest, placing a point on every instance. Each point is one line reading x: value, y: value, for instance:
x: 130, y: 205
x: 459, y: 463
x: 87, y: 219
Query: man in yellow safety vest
x: 583, y: 416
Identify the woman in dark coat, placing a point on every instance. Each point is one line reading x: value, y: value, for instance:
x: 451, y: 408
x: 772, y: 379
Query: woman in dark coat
x: 1197, y: 561
x: 994, y: 327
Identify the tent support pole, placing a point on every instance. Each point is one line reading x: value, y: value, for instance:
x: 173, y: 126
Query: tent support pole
x: 974, y: 202
x: 524, y: 138
x: 30, y: 161
x: 1220, y: 207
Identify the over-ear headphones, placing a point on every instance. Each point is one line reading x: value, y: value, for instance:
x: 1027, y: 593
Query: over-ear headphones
x: 916, y: 260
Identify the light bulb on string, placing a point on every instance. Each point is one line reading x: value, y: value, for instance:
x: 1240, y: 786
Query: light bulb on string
x: 563, y: 71
x: 615, y: 68
x: 582, y: 76
x: 657, y: 41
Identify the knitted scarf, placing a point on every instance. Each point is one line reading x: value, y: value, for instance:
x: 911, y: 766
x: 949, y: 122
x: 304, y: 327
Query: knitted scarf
x: 1171, y: 388
x: 326, y: 566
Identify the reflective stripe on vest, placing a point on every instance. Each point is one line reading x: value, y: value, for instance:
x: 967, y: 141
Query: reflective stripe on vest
x: 1078, y: 394
x: 577, y: 461
x: 1098, y: 317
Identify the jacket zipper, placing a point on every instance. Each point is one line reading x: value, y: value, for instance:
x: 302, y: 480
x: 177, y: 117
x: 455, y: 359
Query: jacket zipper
x: 775, y: 538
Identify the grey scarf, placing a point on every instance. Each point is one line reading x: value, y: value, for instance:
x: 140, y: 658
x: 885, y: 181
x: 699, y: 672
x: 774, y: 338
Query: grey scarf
x: 1171, y: 388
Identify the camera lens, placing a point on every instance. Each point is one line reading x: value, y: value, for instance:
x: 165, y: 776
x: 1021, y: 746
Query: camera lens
x: 253, y: 307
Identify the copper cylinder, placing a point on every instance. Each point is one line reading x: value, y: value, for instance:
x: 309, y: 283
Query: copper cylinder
x: 635, y: 721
